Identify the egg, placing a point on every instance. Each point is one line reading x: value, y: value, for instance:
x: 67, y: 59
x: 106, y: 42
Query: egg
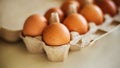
x: 65, y: 6
x: 34, y: 25
x: 51, y: 10
x: 76, y: 22
x: 92, y: 13
x: 107, y: 6
x: 56, y: 33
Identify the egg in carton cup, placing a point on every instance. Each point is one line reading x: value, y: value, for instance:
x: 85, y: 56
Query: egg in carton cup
x: 32, y: 33
x: 78, y: 41
x: 9, y: 34
x: 57, y: 43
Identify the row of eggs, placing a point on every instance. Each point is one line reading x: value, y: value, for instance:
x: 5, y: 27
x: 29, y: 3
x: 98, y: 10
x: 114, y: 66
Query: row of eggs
x: 57, y: 23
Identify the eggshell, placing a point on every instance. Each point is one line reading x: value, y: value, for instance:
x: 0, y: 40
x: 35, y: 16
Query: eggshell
x: 34, y: 25
x: 56, y: 34
x: 76, y: 22
x: 92, y: 13
x: 107, y: 6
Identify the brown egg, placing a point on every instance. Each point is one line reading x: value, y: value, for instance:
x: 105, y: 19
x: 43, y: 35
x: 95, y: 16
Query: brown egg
x: 59, y: 11
x: 65, y: 6
x: 92, y: 13
x: 34, y: 25
x: 76, y: 22
x: 56, y: 34
x: 107, y: 6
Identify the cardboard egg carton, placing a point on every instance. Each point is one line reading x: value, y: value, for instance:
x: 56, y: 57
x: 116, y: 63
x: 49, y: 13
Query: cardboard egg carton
x: 54, y: 53
x: 33, y: 44
x: 8, y: 34
x: 60, y: 53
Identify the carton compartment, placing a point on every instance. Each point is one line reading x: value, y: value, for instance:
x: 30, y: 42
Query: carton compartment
x: 8, y: 35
